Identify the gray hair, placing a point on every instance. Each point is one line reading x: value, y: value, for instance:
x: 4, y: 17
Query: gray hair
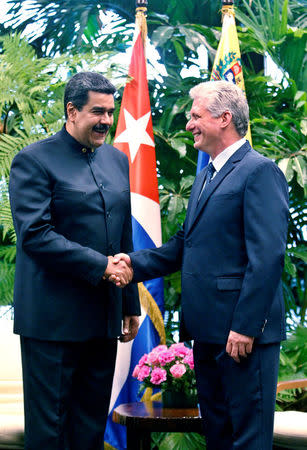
x: 224, y: 96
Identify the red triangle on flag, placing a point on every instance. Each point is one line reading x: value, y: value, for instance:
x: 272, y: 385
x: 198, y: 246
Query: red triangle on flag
x: 134, y: 133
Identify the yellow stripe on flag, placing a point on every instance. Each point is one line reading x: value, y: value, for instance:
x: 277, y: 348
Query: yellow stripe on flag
x: 152, y: 310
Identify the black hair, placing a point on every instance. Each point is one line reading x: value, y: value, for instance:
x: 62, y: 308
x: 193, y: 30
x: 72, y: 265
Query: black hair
x: 79, y: 85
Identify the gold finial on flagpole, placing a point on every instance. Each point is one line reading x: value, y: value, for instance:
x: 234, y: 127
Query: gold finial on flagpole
x: 227, y: 8
x: 140, y: 18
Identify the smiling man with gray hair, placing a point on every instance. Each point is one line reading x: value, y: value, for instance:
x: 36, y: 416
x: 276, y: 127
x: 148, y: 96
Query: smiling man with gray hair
x: 231, y: 255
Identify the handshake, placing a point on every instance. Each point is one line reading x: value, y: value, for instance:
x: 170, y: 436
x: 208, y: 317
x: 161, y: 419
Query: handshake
x: 119, y: 270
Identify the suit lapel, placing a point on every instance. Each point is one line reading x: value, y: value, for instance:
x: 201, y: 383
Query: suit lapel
x: 196, y: 209
x: 199, y: 181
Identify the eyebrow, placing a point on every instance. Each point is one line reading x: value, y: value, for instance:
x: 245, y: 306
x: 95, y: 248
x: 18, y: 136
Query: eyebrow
x: 102, y: 110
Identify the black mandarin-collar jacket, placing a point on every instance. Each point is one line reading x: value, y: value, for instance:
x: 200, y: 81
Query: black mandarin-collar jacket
x: 71, y: 208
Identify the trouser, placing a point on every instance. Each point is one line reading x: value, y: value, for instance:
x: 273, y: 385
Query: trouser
x: 67, y: 388
x: 237, y: 400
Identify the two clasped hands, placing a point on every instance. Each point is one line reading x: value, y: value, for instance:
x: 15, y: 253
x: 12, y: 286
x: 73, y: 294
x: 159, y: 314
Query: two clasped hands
x: 119, y: 270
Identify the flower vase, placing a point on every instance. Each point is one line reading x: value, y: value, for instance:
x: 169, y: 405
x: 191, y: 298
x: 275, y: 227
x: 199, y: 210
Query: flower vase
x: 173, y: 399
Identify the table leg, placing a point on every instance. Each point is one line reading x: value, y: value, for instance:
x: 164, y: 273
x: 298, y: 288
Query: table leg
x: 137, y: 439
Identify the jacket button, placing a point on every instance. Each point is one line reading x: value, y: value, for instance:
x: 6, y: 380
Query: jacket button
x: 189, y: 244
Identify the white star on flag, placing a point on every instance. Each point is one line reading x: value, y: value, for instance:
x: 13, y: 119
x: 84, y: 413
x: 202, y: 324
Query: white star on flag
x: 135, y: 133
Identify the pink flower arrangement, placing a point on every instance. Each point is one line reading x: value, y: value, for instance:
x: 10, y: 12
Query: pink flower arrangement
x: 167, y: 368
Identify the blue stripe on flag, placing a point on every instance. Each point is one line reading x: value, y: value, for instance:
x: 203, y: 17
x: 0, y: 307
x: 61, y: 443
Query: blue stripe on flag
x: 202, y: 161
x: 142, y: 240
x: 147, y: 338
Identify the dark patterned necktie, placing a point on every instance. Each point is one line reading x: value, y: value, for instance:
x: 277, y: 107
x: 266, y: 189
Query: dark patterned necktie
x: 210, y: 172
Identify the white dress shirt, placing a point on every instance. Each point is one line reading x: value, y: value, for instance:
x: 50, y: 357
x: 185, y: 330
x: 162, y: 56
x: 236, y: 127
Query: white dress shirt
x: 224, y: 156
x: 222, y: 159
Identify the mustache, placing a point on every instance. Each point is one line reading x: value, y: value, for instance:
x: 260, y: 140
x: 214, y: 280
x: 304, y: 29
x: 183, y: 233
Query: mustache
x: 101, y: 128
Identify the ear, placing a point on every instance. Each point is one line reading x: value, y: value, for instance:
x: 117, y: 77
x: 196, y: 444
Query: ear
x: 71, y: 111
x: 226, y: 119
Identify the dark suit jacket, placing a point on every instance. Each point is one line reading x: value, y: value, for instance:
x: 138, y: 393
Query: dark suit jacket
x: 230, y: 251
x: 70, y: 207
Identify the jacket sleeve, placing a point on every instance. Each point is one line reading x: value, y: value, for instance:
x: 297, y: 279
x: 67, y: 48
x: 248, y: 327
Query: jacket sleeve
x: 157, y: 262
x: 265, y: 234
x: 30, y: 198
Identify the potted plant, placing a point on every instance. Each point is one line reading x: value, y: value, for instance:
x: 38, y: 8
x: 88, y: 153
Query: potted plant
x: 172, y: 370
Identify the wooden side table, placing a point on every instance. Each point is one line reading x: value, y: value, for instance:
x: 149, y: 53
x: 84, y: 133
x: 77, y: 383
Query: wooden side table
x: 142, y: 418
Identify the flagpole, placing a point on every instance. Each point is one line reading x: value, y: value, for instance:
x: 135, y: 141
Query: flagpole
x: 140, y: 19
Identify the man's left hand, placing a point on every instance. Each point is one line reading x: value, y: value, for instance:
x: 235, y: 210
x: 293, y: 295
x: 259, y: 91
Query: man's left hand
x: 239, y: 345
x: 130, y: 328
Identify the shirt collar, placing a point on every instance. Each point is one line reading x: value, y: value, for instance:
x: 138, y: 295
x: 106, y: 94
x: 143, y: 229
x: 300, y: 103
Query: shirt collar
x: 223, y: 157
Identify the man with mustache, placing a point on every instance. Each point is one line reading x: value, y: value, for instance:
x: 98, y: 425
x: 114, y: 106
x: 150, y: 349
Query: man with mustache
x: 70, y: 202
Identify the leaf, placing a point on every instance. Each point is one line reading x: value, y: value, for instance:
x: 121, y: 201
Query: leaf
x: 179, y: 50
x: 299, y: 165
x: 8, y: 253
x: 174, y: 208
x: 285, y: 166
x: 168, y: 184
x: 303, y: 125
x: 194, y: 39
x: 159, y: 17
x: 179, y: 146
x: 161, y: 35
x: 300, y: 253
x: 284, y: 18
x: 7, y: 272
x: 186, y: 183
x: 183, y: 441
x: 289, y: 266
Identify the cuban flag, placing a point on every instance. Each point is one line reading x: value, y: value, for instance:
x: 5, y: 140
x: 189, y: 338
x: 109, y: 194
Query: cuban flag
x: 134, y: 136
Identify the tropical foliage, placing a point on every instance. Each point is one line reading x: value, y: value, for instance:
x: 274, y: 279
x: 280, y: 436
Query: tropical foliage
x: 65, y: 24
x: 293, y: 364
x: 82, y: 35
